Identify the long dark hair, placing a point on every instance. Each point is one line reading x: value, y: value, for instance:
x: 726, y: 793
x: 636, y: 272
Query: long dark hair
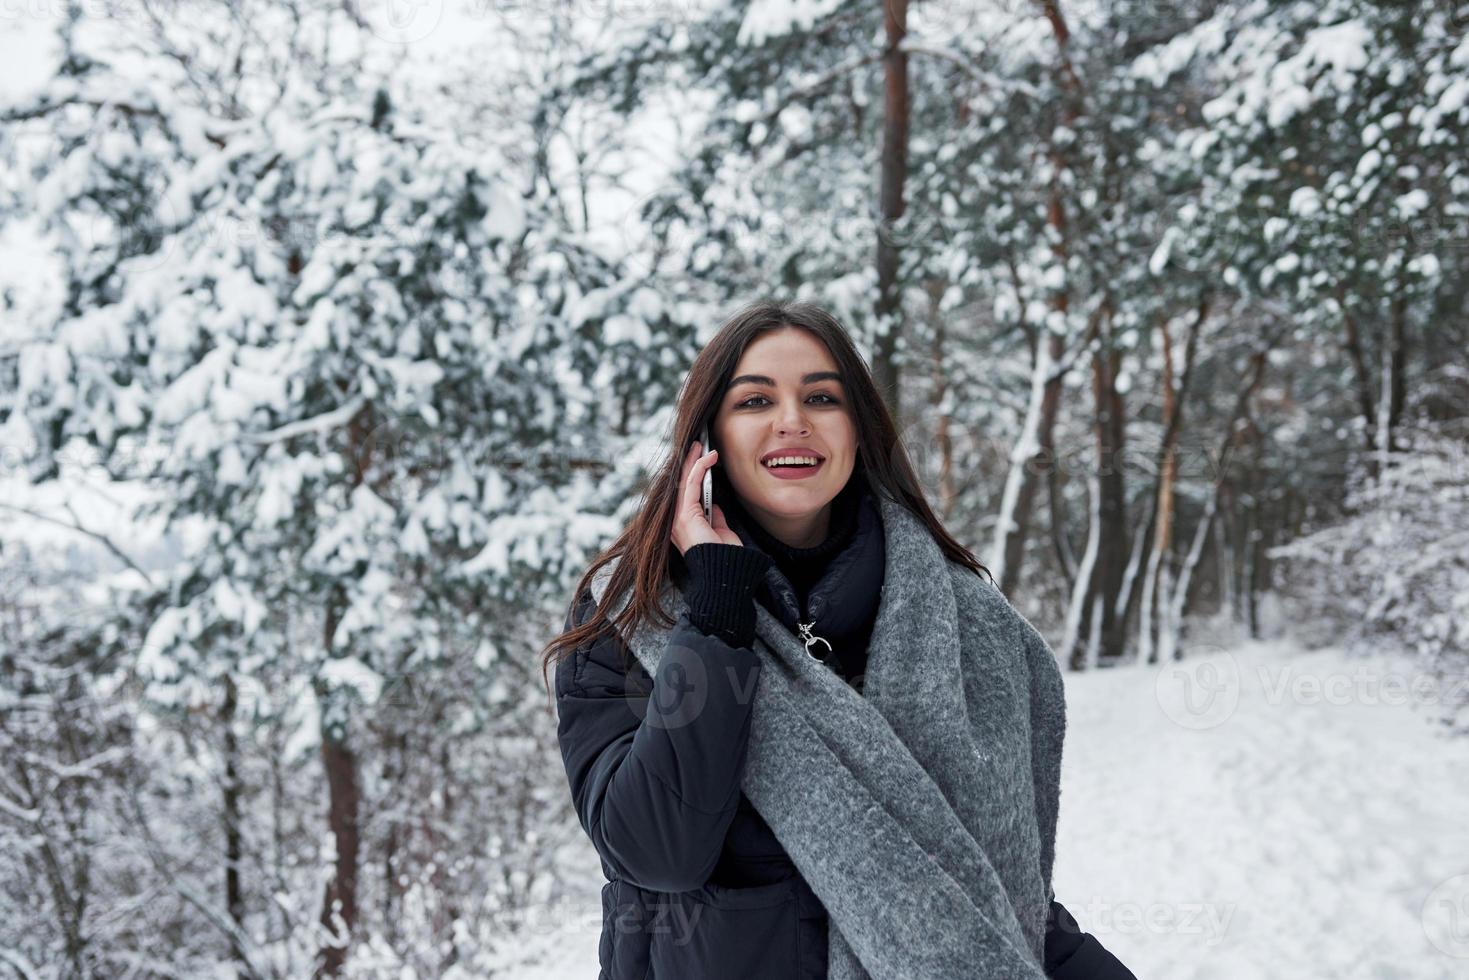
x: 646, y: 545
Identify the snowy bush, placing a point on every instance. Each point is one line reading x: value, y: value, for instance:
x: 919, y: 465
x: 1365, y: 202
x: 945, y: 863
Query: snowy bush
x: 1395, y: 570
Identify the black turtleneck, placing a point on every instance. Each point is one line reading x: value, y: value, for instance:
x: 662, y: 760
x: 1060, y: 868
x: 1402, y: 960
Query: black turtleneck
x: 725, y: 578
x: 804, y: 566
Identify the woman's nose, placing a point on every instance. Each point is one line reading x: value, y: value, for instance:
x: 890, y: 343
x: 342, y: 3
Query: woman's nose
x: 794, y: 425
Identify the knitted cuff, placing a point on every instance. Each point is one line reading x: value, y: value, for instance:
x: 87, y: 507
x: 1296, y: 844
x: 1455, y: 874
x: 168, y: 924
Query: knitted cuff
x: 721, y: 593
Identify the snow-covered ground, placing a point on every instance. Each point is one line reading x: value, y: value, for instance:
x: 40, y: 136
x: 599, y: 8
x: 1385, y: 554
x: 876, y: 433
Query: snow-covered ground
x: 1251, y: 813
x: 1302, y: 820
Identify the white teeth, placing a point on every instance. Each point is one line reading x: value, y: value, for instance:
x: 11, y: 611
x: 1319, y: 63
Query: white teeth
x: 792, y: 461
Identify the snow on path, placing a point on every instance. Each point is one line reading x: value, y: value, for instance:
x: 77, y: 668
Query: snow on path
x: 1255, y: 813
x: 1265, y: 813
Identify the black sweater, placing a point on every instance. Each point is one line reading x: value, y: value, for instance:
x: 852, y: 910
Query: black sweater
x: 726, y: 580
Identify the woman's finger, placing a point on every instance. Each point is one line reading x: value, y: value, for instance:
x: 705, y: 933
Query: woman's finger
x: 690, y: 460
x: 690, y: 490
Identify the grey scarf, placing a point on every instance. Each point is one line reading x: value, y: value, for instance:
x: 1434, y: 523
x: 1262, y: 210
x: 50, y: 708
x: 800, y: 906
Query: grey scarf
x: 943, y: 775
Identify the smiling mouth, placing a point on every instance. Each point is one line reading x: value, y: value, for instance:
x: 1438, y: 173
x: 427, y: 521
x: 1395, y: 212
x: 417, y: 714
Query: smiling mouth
x: 794, y: 472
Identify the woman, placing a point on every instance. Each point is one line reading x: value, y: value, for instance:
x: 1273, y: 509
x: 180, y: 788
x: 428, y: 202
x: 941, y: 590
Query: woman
x: 869, y: 790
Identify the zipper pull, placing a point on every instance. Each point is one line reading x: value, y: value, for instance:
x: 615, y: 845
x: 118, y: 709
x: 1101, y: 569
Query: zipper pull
x: 805, y: 630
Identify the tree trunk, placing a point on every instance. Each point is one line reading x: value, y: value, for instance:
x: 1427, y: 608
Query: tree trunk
x: 69, y: 903
x: 1094, y: 641
x: 1244, y: 551
x: 1167, y: 479
x: 894, y: 177
x: 395, y: 756
x: 1384, y: 416
x: 1076, y: 612
x: 1179, y: 600
x: 1065, y: 557
x: 1175, y: 393
x: 1107, y: 551
x: 450, y: 912
x: 1359, y: 366
x: 234, y: 850
x: 943, y: 440
x: 339, y: 904
x: 1224, y: 545
x: 1252, y: 549
x: 1136, y: 554
x: 1399, y: 353
x: 1032, y: 451
x: 1110, y: 435
x: 1036, y: 445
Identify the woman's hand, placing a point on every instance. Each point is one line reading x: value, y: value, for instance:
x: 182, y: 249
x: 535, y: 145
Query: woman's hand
x: 689, y: 525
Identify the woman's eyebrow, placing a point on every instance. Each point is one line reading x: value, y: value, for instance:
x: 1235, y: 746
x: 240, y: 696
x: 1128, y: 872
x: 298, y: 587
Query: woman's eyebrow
x: 806, y: 379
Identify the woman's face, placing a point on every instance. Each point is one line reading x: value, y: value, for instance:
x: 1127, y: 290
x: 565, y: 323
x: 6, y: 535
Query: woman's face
x: 785, y: 395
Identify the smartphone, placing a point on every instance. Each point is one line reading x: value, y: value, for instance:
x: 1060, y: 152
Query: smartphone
x: 708, y: 495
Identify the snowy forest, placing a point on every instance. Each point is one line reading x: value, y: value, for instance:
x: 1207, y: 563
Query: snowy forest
x: 337, y: 338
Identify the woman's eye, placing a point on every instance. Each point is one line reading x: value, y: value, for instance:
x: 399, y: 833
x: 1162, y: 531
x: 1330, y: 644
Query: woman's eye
x: 749, y: 402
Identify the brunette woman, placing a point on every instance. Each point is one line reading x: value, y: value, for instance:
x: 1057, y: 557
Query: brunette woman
x: 807, y: 735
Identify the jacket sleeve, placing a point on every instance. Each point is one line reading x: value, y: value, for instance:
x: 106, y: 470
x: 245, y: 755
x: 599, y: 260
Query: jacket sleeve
x: 1063, y: 936
x: 1075, y: 955
x: 654, y: 763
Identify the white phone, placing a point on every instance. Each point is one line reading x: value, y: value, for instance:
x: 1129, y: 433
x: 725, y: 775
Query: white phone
x: 708, y: 496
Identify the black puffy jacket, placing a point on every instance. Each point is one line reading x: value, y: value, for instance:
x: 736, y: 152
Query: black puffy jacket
x: 698, y: 887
